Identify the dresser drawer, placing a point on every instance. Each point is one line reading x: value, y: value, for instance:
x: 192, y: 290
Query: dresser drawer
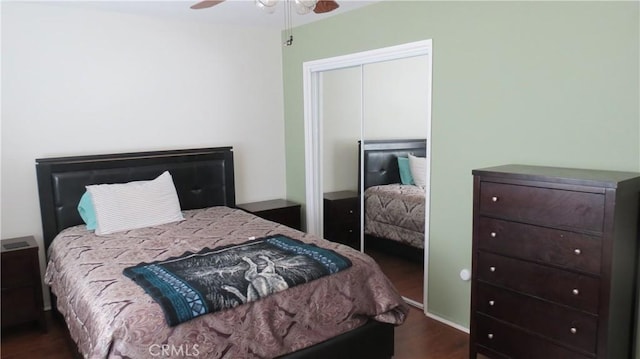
x: 516, y: 343
x: 564, y: 287
x: 560, y: 323
x: 553, y: 207
x: 567, y: 249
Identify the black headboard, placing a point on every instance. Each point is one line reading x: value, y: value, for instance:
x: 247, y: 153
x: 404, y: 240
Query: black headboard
x: 203, y: 177
x: 381, y: 159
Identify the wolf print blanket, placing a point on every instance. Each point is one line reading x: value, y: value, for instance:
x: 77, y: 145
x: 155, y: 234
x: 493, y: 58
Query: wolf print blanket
x: 216, y: 279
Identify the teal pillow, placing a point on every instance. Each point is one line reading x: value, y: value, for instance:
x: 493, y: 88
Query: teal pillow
x: 405, y: 171
x: 87, y: 212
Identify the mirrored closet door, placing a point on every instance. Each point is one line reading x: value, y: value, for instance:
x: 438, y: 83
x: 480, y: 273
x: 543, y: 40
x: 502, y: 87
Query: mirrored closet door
x: 341, y: 110
x: 363, y: 112
x: 395, y: 129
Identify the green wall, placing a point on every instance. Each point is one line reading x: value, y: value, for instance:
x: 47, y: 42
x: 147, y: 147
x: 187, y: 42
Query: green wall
x: 548, y: 83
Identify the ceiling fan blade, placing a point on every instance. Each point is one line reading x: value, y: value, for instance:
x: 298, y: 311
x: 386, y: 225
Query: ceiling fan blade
x: 205, y: 4
x: 325, y: 6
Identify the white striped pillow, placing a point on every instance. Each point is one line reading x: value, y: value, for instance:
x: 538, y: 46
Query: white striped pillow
x: 139, y: 204
x: 418, y: 168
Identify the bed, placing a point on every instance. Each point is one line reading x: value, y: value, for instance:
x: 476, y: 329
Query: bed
x: 108, y: 315
x: 394, y: 213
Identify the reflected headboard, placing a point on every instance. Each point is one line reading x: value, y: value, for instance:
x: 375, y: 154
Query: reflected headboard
x: 203, y: 177
x: 381, y: 159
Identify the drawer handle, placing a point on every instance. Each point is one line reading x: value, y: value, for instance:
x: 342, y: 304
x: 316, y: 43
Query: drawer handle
x: 575, y: 291
x: 492, y: 303
x: 490, y: 335
x: 494, y: 199
x: 492, y: 269
x: 577, y: 251
x: 350, y: 211
x: 493, y: 234
x: 573, y: 330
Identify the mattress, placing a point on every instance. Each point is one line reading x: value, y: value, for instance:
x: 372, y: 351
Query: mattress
x: 396, y: 212
x: 110, y: 316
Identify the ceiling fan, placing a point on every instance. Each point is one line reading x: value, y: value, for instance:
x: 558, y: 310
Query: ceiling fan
x: 302, y: 6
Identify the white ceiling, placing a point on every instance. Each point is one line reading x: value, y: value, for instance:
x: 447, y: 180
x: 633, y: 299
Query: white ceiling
x: 230, y: 12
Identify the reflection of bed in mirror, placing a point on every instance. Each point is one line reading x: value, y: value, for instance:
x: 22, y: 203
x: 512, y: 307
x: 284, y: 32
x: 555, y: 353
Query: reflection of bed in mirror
x: 394, y: 213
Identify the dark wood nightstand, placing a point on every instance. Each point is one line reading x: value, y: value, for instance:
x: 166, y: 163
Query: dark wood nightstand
x: 342, y: 218
x: 21, y: 282
x: 277, y: 210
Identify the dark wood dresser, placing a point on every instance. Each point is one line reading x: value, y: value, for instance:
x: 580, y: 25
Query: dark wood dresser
x: 276, y: 210
x: 21, y: 284
x: 554, y: 259
x: 342, y: 218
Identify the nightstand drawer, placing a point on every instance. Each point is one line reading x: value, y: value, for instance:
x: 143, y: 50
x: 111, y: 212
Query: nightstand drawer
x: 349, y: 235
x: 553, y: 207
x: 567, y: 249
x: 558, y: 322
x: 345, y: 211
x: 19, y: 305
x: 289, y: 216
x: 17, y: 268
x: 277, y: 210
x: 564, y: 287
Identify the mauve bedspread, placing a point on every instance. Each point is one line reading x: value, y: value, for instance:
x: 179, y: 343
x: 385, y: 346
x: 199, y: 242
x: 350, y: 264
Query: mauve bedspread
x: 109, y: 316
x: 396, y: 212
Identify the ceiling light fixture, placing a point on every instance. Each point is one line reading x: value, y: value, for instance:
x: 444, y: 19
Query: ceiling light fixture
x: 302, y: 7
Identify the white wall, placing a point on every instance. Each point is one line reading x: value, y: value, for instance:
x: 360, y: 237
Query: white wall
x: 341, y: 118
x: 78, y: 81
x: 395, y: 99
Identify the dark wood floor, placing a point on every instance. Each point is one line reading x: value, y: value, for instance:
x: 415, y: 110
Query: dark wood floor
x: 28, y: 341
x: 407, y: 276
x: 419, y: 337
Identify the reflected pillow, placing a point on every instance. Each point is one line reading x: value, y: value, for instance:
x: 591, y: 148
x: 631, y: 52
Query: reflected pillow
x: 405, y: 171
x: 87, y: 212
x: 139, y: 204
x: 418, y: 166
